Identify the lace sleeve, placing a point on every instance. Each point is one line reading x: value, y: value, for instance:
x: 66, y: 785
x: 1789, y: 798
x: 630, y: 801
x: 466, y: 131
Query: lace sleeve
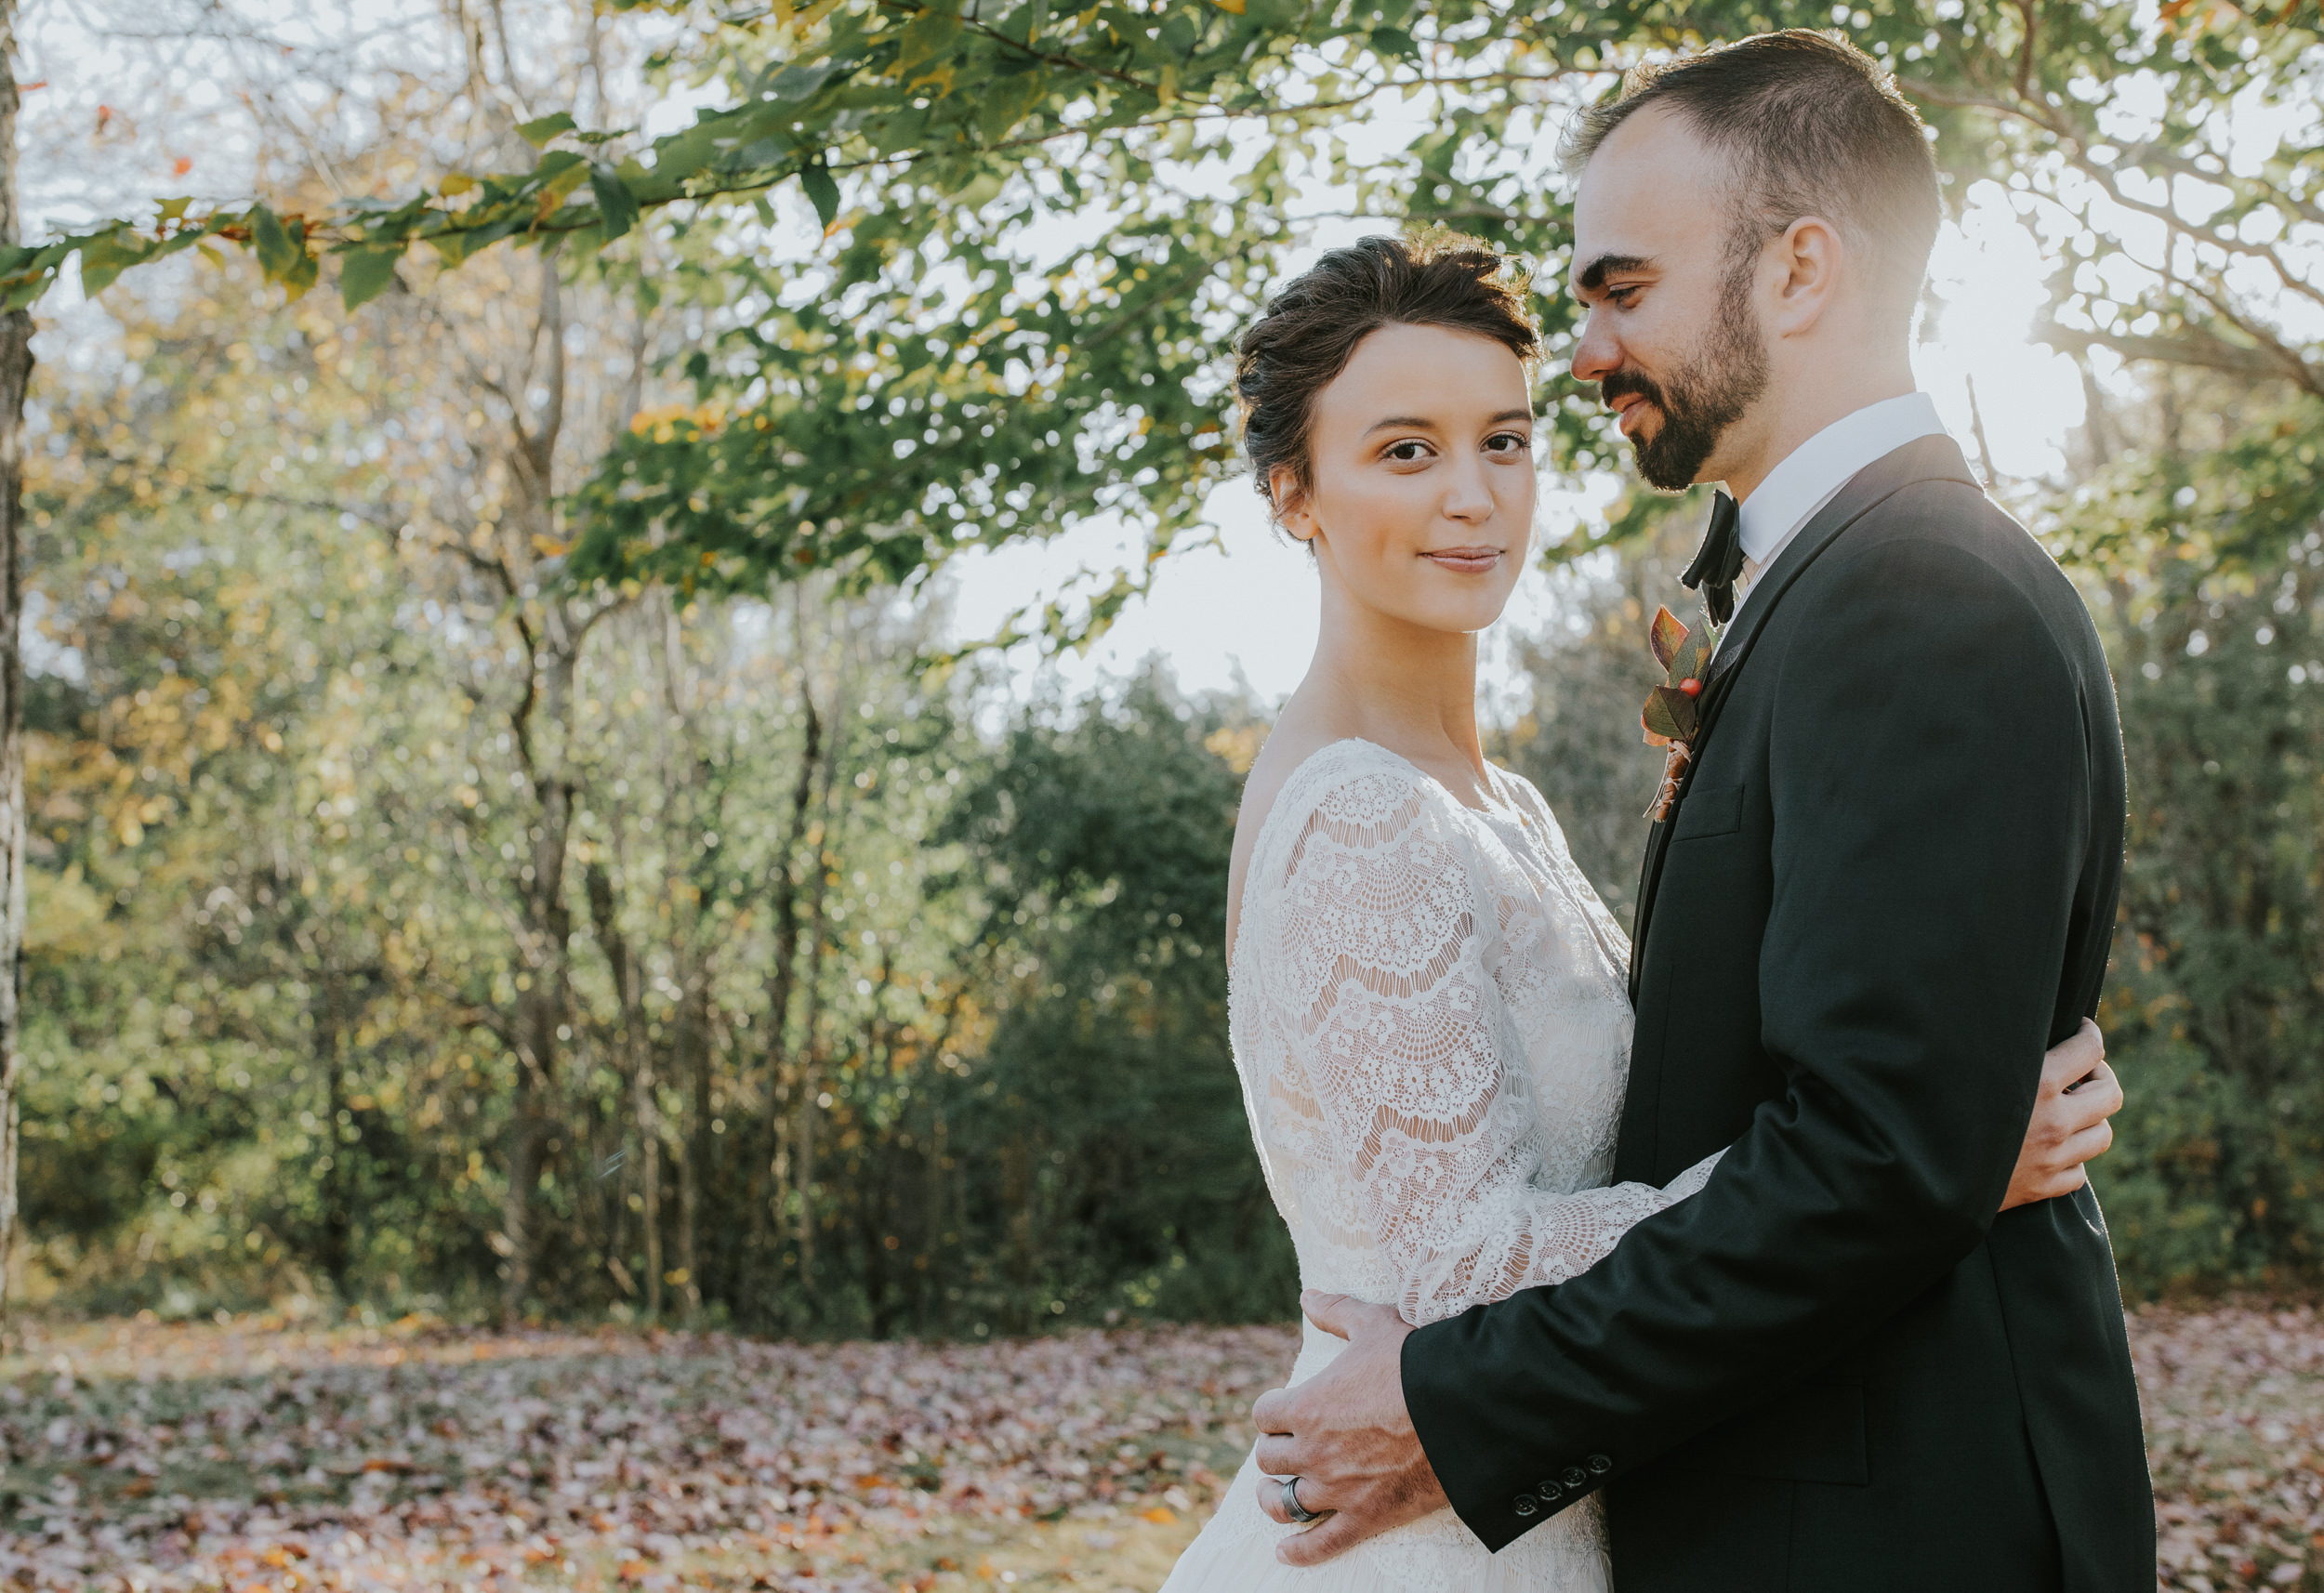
x: 1413, y: 1071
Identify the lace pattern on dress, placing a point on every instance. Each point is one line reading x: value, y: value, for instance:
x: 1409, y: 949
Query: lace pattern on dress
x: 1431, y: 1018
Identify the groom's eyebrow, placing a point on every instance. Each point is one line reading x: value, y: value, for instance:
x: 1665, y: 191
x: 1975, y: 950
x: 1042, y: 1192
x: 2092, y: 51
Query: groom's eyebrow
x: 1593, y: 276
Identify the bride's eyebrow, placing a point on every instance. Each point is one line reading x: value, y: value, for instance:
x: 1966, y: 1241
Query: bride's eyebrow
x: 1414, y: 423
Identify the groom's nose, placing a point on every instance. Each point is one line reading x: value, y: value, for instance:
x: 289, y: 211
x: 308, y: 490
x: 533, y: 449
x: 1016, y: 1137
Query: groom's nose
x: 1598, y: 353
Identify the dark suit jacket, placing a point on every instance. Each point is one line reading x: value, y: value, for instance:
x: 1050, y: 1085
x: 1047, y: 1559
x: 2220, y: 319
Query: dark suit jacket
x: 1888, y: 886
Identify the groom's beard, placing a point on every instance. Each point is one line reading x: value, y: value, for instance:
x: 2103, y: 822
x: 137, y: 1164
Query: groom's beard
x: 1724, y: 378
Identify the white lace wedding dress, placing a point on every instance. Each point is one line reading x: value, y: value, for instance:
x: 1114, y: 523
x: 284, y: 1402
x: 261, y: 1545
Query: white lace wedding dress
x: 1429, y: 1013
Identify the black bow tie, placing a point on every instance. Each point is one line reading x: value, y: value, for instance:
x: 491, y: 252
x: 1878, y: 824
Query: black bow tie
x: 1719, y: 563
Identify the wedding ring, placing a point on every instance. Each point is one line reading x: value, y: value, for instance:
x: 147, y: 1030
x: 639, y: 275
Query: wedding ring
x: 1292, y: 1506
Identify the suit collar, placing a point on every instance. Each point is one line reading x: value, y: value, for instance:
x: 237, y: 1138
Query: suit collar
x: 1935, y: 458
x: 1807, y: 479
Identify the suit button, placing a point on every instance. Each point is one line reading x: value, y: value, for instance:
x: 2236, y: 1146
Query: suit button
x: 1572, y: 1477
x: 1525, y: 1505
x: 1600, y: 1464
x: 1549, y: 1490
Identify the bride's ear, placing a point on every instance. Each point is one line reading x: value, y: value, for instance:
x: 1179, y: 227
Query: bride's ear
x: 1293, y: 511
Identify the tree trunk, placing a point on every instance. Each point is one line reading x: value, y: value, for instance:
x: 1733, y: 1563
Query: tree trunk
x: 691, y: 1053
x: 15, y: 371
x: 930, y: 1266
x: 339, y: 1220
x: 810, y: 1066
x: 542, y: 724
x: 547, y: 922
x: 639, y: 1056
x: 783, y: 979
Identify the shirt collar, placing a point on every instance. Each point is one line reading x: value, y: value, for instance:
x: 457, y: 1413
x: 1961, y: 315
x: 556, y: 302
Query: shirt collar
x: 1811, y: 473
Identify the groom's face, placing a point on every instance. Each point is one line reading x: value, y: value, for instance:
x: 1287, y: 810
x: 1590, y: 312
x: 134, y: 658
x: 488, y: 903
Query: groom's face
x: 1672, y: 333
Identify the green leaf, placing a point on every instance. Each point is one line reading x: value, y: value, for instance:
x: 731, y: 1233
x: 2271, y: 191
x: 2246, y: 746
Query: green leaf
x: 614, y: 201
x: 796, y: 83
x: 108, y: 255
x: 187, y: 239
x: 277, y: 254
x: 457, y: 244
x: 927, y: 39
x: 1006, y: 103
x: 366, y: 273
x: 822, y: 192
x: 1670, y: 713
x: 560, y: 172
x: 304, y: 269
x: 538, y: 131
x: 682, y: 155
x: 1693, y: 658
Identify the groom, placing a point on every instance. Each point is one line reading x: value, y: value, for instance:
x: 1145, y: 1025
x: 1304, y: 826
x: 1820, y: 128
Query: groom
x: 1887, y: 884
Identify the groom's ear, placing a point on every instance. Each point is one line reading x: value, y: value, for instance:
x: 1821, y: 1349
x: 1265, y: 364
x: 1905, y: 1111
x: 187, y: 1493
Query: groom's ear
x: 1813, y: 255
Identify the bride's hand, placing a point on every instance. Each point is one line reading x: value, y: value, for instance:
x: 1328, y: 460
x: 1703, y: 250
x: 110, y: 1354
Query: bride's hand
x: 2078, y: 1093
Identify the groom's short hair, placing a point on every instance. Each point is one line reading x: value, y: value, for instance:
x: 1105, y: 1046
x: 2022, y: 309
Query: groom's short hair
x: 1814, y: 126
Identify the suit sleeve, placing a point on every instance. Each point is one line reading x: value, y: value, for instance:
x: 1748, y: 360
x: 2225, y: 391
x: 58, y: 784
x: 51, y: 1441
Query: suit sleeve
x: 1929, y: 776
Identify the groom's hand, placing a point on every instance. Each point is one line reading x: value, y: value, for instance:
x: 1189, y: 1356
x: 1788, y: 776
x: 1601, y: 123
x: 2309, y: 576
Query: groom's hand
x: 1345, y: 1434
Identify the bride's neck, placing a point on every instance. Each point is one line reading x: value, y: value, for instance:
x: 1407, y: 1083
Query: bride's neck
x: 1410, y: 688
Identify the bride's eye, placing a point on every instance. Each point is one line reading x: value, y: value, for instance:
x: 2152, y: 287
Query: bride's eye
x: 1411, y: 450
x: 1508, y: 443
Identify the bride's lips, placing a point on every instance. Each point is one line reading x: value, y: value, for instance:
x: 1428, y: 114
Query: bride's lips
x: 1467, y: 560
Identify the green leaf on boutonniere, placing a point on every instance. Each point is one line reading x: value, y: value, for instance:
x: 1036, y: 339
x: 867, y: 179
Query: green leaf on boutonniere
x: 1692, y: 660
x: 1670, y: 713
x: 1666, y: 637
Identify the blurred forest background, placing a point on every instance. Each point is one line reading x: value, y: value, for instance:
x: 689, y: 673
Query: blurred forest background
x: 509, y: 830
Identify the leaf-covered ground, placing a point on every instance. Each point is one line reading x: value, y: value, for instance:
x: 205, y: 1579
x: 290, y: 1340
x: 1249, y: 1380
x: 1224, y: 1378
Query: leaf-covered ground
x: 251, y: 1457
x: 2234, y: 1431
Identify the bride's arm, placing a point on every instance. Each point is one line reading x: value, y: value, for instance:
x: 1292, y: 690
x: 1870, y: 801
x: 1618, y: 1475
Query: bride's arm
x: 2078, y: 1092
x: 1413, y: 1063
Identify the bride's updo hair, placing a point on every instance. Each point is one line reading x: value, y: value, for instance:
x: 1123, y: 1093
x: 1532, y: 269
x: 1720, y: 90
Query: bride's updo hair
x: 1432, y: 278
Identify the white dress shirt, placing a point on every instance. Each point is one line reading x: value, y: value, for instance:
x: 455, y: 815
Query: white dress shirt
x: 1812, y: 475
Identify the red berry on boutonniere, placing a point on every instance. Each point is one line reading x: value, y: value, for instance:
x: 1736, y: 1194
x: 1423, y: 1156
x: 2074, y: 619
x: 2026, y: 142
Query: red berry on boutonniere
x: 1672, y: 716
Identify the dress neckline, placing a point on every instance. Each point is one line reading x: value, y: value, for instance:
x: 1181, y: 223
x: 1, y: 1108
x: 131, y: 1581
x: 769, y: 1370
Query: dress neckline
x: 1495, y: 777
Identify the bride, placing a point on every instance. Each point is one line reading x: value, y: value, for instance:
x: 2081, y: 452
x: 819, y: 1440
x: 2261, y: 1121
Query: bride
x: 1428, y: 1002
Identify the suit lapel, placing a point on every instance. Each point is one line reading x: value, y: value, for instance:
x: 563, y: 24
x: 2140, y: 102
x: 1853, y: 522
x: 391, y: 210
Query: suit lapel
x: 1932, y: 458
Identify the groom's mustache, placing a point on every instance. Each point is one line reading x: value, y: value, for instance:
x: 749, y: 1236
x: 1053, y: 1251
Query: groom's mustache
x: 1623, y: 383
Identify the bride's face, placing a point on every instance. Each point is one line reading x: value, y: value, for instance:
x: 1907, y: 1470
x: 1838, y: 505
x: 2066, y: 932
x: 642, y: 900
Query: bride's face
x: 1422, y: 457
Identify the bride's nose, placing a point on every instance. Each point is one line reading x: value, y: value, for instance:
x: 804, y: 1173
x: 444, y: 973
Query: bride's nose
x: 1466, y: 496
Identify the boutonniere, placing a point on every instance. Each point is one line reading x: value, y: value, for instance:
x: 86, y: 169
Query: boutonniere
x: 1674, y: 711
